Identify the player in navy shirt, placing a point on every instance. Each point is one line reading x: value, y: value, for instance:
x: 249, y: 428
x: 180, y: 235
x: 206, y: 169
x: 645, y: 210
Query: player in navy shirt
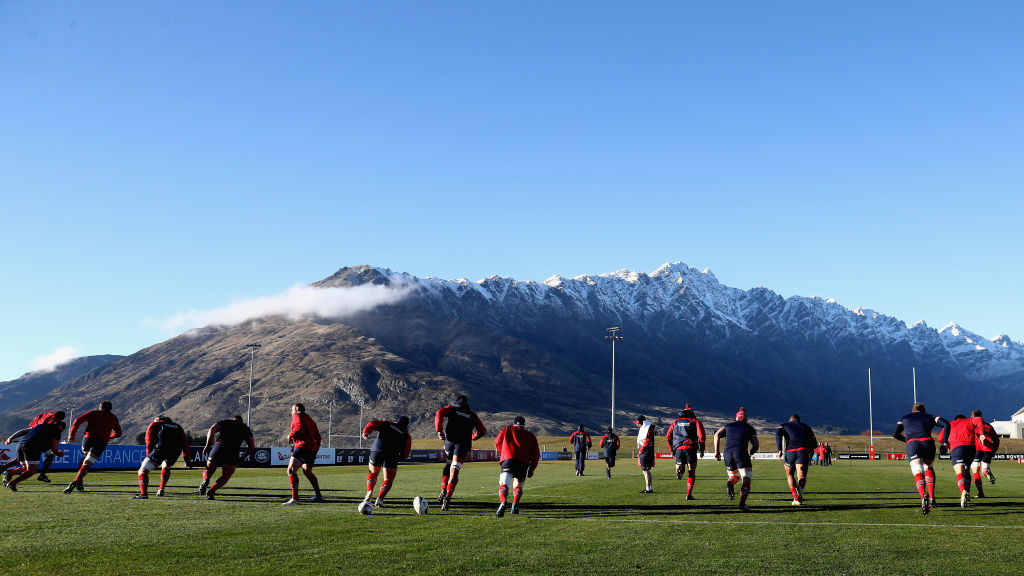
x: 581, y: 445
x: 165, y: 441
x: 795, y: 441
x: 34, y: 442
x: 391, y: 446
x: 916, y: 430
x: 225, y: 453
x: 738, y: 435
x: 610, y: 444
x: 457, y: 425
x: 685, y: 437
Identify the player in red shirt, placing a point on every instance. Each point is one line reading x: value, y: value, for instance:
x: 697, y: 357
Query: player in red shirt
x: 519, y: 456
x: 685, y: 437
x: 43, y: 418
x: 960, y: 435
x: 984, y: 448
x: 305, y: 440
x: 392, y: 445
x: 165, y: 441
x: 457, y: 425
x: 101, y: 426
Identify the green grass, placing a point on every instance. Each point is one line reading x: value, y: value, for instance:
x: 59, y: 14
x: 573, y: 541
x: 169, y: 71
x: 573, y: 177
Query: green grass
x: 859, y: 518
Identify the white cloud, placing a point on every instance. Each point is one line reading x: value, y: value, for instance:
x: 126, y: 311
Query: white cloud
x: 299, y: 301
x: 50, y: 362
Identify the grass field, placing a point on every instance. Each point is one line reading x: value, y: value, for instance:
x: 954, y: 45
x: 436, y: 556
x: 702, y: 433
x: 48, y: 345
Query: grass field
x: 859, y: 518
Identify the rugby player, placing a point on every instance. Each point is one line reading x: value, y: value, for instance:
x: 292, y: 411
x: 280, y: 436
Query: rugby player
x: 960, y: 436
x: 737, y: 458
x: 392, y: 445
x: 165, y: 441
x: 916, y: 430
x: 581, y: 445
x: 224, y: 453
x: 795, y: 441
x: 519, y: 455
x: 304, y: 437
x: 985, y: 447
x: 610, y: 444
x: 685, y: 437
x: 645, y: 451
x: 34, y: 441
x: 43, y: 418
x: 101, y: 426
x: 457, y: 425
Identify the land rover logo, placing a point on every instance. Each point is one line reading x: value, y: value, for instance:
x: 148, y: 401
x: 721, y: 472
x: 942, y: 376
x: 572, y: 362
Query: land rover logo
x: 262, y: 456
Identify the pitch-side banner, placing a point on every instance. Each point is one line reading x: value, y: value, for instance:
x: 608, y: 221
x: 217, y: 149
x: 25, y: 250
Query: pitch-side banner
x: 115, y: 457
x: 280, y: 455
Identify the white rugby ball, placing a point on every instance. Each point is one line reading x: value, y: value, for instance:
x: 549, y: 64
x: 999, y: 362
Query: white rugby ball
x: 420, y: 505
x: 365, y: 508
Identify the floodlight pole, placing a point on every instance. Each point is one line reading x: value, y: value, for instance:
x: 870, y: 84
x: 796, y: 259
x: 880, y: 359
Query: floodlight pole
x: 613, y: 336
x: 914, y: 369
x: 71, y: 417
x: 871, y: 418
x: 252, y: 360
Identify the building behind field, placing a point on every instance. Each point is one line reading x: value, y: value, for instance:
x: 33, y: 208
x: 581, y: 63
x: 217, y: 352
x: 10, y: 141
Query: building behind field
x: 1012, y: 428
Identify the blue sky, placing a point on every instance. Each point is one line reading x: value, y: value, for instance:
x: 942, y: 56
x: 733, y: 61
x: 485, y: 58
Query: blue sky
x: 162, y: 159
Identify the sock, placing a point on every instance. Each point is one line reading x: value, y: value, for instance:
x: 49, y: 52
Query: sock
x: 453, y: 481
x: 444, y: 484
x: 744, y: 491
x: 206, y: 475
x: 796, y: 495
x: 689, y: 486
x: 503, y: 493
x: 929, y: 481
x: 143, y: 483
x: 977, y: 483
x: 385, y: 487
x: 371, y: 480
x: 293, y: 480
x: 19, y: 470
x: 960, y: 481
x: 314, y: 482
x: 165, y: 475
x: 802, y: 482
x: 83, y: 471
x: 517, y: 494
x: 216, y: 486
x: 919, y: 480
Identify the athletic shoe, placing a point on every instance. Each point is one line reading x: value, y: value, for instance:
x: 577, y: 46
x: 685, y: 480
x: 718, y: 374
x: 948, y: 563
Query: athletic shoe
x: 965, y: 499
x: 290, y: 502
x: 933, y: 503
x: 318, y: 499
x: 13, y: 487
x: 991, y: 477
x: 43, y: 478
x: 445, y: 503
x: 980, y: 495
x: 501, y: 510
x: 79, y: 486
x: 608, y: 471
x: 160, y: 492
x: 647, y: 491
x: 796, y: 502
x: 925, y: 506
x: 744, y: 507
x: 690, y: 497
x: 203, y: 487
x: 210, y: 496
x: 70, y: 487
x: 515, y: 508
x: 7, y: 477
x: 379, y: 503
x: 440, y: 497
x: 140, y: 497
x: 799, y: 493
x: 679, y: 475
x: 732, y: 491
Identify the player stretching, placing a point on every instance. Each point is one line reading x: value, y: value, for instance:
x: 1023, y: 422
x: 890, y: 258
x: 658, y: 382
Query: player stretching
x: 392, y: 445
x: 645, y: 451
x: 610, y: 444
x: 457, y: 426
x: 986, y: 446
x: 165, y: 441
x: 44, y: 418
x: 225, y: 453
x: 34, y: 441
x: 581, y: 445
x: 795, y: 441
x: 304, y: 437
x: 916, y: 430
x: 960, y: 435
x: 737, y: 458
x: 685, y: 437
x: 101, y: 427
x: 519, y: 455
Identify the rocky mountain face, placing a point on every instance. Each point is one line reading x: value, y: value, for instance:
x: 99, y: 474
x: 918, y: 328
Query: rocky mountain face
x: 33, y: 385
x: 539, y: 349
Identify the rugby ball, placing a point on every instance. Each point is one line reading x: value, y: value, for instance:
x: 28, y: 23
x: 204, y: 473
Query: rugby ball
x: 420, y: 505
x: 365, y: 508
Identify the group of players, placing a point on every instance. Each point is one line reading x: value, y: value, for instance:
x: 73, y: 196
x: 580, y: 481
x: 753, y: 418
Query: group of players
x: 971, y: 442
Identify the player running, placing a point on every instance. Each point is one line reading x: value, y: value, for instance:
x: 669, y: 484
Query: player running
x: 795, y: 442
x: 304, y: 437
x: 519, y: 455
x: 225, y: 453
x: 610, y: 444
x: 645, y: 451
x: 960, y: 436
x: 165, y: 441
x: 916, y: 430
x: 581, y: 445
x: 101, y: 426
x: 986, y: 445
x: 738, y: 435
x: 685, y: 437
x: 392, y: 445
x: 43, y: 418
x: 34, y: 442
x: 457, y: 425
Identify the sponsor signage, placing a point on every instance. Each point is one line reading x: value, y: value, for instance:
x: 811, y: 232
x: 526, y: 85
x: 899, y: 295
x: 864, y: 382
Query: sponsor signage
x: 260, y: 457
x: 115, y: 457
x: 351, y: 456
x: 281, y: 455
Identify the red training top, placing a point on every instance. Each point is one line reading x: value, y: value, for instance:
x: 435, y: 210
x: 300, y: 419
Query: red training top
x: 304, y: 433
x: 961, y: 433
x: 991, y: 441
x: 44, y: 418
x: 518, y: 443
x: 99, y: 424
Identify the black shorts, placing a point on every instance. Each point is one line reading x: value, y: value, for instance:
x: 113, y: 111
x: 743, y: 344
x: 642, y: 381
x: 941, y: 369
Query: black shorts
x: 610, y: 460
x: 736, y: 459
x: 222, y: 456
x: 516, y: 468
x: 923, y: 449
x: 386, y: 459
x: 160, y: 456
x: 94, y: 446
x: 962, y: 455
x: 459, y: 449
x: 645, y: 460
x: 29, y: 453
x: 304, y: 456
x: 686, y: 456
x: 983, y: 456
x: 797, y: 457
